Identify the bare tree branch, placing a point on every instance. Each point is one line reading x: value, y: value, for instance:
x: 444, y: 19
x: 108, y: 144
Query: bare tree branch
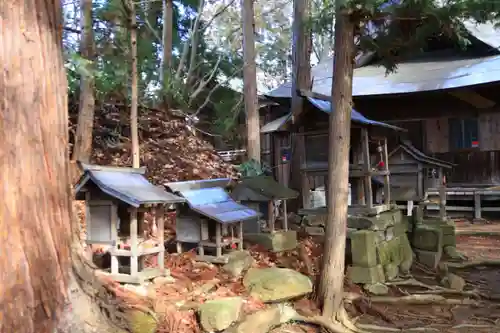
x: 217, y: 14
x: 217, y: 86
x: 194, y: 41
x: 203, y: 83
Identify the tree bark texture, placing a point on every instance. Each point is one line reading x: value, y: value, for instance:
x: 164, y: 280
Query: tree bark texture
x: 250, y: 81
x: 332, y: 275
x: 34, y: 179
x: 167, y: 37
x: 82, y: 149
x: 301, y: 54
x: 134, y: 131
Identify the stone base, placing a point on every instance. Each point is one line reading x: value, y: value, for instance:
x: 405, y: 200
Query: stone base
x: 276, y: 242
x: 368, y: 275
x: 428, y: 258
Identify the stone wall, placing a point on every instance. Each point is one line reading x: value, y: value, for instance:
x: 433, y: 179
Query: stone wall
x: 378, y: 247
x: 433, y: 239
x: 381, y: 247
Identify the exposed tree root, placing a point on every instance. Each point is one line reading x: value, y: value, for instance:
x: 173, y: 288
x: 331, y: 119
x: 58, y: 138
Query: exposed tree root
x: 413, y: 299
x: 473, y: 263
x: 342, y: 324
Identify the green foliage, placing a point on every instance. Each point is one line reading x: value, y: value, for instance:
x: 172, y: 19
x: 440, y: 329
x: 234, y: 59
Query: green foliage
x: 252, y: 168
x: 111, y: 68
x: 395, y: 29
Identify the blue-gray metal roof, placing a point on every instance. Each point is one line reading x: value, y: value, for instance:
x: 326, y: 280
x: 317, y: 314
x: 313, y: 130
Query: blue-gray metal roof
x: 216, y: 204
x: 325, y: 106
x: 197, y: 184
x: 415, y: 76
x: 126, y: 184
x: 276, y: 124
x: 355, y: 115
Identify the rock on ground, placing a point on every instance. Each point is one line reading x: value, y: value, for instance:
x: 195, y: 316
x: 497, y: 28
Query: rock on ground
x: 276, y: 284
x: 260, y: 321
x: 376, y: 289
x: 219, y: 314
x: 238, y: 262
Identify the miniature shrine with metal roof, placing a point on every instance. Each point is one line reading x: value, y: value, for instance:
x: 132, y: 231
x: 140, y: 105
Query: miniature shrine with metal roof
x: 210, y: 218
x: 116, y: 200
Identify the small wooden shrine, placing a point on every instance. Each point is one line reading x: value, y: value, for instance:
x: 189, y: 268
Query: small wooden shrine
x: 413, y: 173
x: 116, y: 200
x: 209, y: 218
x: 251, y: 191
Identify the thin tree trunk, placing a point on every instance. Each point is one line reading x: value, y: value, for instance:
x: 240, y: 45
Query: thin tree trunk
x: 332, y: 275
x: 134, y: 131
x: 250, y: 82
x: 82, y: 149
x: 167, y: 36
x: 34, y: 177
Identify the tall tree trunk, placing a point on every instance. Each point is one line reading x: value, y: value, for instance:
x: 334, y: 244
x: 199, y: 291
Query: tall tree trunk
x: 167, y: 37
x: 82, y: 149
x: 301, y: 79
x: 250, y: 81
x: 332, y: 275
x: 39, y: 292
x: 134, y: 131
x: 35, y: 205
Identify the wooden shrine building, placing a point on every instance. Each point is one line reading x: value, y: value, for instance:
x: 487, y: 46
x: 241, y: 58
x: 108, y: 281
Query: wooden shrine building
x: 210, y: 218
x: 253, y: 191
x: 309, y: 158
x: 116, y: 199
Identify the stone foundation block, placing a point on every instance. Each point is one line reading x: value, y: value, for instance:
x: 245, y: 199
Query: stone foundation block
x: 367, y: 275
x: 427, y: 238
x: 406, y: 254
x: 315, y: 231
x: 428, y: 258
x: 377, y: 222
x: 449, y: 240
x: 391, y: 271
x: 448, y: 228
x: 315, y: 220
x: 400, y: 229
x: 276, y: 242
x: 389, y: 252
x: 363, y: 248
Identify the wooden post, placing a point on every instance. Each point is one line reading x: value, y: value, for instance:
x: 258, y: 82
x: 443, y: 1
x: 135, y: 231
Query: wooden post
x: 114, y: 239
x: 409, y: 208
x: 204, y: 236
x: 304, y: 180
x: 134, y: 243
x: 240, y: 235
x: 367, y: 167
x: 160, y: 223
x: 387, y: 184
x: 270, y: 214
x: 477, y: 205
x: 88, y: 218
x: 218, y: 240
x: 442, y: 196
x: 285, y: 216
x: 359, y: 183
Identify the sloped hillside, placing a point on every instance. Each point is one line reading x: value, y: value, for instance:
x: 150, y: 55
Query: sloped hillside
x: 169, y: 149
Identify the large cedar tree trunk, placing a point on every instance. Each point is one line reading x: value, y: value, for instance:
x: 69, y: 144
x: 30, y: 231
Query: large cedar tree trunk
x: 332, y: 275
x: 83, y: 139
x: 39, y: 292
x: 250, y: 81
x: 34, y: 179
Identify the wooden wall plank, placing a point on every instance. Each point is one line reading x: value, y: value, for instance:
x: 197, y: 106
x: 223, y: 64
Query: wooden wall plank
x: 437, y: 135
x: 489, y: 131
